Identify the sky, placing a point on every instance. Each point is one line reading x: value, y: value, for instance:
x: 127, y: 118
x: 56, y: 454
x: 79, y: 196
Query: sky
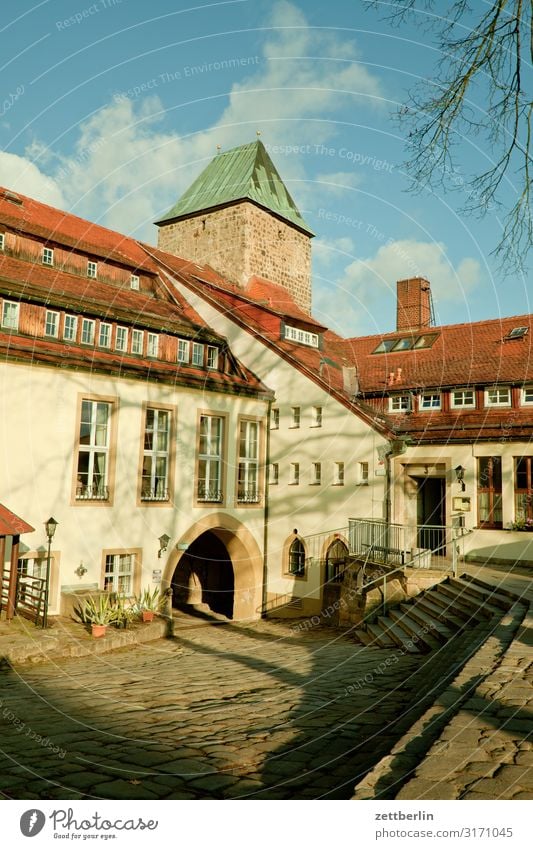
x: 110, y: 109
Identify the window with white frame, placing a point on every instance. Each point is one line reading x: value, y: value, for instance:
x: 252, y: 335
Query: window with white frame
x: 104, y: 335
x: 154, y: 484
x: 47, y: 256
x: 93, y: 451
x: 121, y: 339
x: 92, y: 269
x: 87, y: 331
x: 134, y: 282
x: 362, y: 473
x: 462, y: 398
x: 197, y: 354
x: 527, y: 395
x: 209, y: 478
x: 212, y: 357
x: 51, y: 323
x: 316, y: 474
x: 429, y: 401
x: 399, y: 403
x: 137, y: 341
x: 2, y: 241
x: 183, y: 350
x: 31, y: 575
x: 498, y: 396
x: 152, y: 345
x: 303, y: 337
x: 274, y: 418
x: 10, y: 315
x: 295, y: 416
x: 248, y: 469
x: 338, y: 473
x: 119, y: 573
x: 70, y: 328
x: 294, y: 474
x: 316, y: 417
x: 274, y: 474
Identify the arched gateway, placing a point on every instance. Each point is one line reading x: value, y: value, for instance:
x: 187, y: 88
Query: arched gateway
x: 218, y: 565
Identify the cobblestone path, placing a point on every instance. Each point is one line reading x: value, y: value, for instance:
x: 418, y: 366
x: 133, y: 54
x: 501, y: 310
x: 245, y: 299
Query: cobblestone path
x: 254, y: 711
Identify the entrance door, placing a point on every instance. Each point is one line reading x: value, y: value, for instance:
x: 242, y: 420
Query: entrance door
x: 204, y: 577
x: 431, y: 514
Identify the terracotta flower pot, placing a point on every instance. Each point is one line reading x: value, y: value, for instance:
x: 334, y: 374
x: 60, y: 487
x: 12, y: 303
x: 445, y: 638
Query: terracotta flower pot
x: 148, y: 615
x: 98, y: 630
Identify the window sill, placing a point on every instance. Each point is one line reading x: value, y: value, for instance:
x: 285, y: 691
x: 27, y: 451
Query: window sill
x: 337, y: 483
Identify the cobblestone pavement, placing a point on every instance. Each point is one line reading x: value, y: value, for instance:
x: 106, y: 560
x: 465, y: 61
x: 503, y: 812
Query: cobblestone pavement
x: 254, y: 711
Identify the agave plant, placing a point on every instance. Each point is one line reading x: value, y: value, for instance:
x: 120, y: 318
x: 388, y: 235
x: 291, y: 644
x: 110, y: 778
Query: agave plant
x: 149, y: 600
x: 98, y: 611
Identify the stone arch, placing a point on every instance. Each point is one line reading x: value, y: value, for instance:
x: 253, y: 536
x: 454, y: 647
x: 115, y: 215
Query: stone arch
x: 243, y: 553
x: 290, y: 540
x: 330, y: 541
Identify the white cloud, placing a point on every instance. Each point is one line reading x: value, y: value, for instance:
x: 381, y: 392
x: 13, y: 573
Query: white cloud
x: 338, y: 182
x: 21, y: 175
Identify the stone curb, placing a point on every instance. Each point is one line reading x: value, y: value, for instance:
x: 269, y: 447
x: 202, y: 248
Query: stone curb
x: 392, y: 771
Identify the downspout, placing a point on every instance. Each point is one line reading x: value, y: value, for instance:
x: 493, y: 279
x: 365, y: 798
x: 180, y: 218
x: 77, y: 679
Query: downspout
x: 265, y: 512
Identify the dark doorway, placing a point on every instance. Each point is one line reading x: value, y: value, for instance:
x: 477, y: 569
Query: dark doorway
x: 204, y: 577
x: 431, y: 514
x: 336, y: 560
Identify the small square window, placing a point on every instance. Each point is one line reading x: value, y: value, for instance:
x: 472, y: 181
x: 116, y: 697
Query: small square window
x: 183, y: 350
x: 153, y: 345
x: 197, y: 354
x: 87, y: 332
x: 498, y: 396
x: 121, y: 339
x: 70, y: 328
x: 362, y: 473
x: 274, y: 418
x: 463, y: 398
x: 316, y: 417
x: 338, y: 474
x: 527, y: 395
x: 48, y: 256
x: 104, y: 336
x: 92, y: 269
x: 294, y: 479
x: 295, y: 413
x: 51, y: 326
x: 316, y: 474
x: 10, y: 315
x: 137, y: 341
x: 429, y: 401
x: 399, y: 403
x: 212, y: 357
x: 134, y: 282
x: 274, y: 474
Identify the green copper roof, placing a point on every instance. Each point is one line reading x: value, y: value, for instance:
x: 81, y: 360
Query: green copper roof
x: 242, y: 173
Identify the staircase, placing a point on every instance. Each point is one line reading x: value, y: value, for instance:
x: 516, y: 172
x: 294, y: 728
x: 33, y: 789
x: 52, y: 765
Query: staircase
x: 431, y: 619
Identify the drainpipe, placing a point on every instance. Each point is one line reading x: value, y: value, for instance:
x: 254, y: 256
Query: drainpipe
x: 265, y: 513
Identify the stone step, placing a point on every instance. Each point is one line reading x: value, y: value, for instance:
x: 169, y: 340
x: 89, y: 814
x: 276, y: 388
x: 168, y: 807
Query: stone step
x: 461, y: 596
x: 398, y: 635
x: 442, y: 608
x: 366, y: 638
x: 424, y: 637
x: 428, y: 620
x: 380, y: 636
x: 491, y: 596
x: 500, y: 590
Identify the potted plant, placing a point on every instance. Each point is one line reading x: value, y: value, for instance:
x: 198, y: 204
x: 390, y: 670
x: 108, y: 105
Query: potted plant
x: 98, y: 613
x: 148, y: 604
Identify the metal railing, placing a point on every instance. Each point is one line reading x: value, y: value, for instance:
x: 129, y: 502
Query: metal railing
x: 248, y: 495
x: 154, y: 495
x: 92, y: 492
x: 206, y: 493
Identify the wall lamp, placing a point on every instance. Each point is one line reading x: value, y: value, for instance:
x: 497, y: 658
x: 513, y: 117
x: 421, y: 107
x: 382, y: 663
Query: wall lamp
x: 164, y: 540
x: 460, y: 477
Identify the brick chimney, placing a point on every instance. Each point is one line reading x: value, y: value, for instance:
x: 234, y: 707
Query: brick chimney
x: 413, y: 305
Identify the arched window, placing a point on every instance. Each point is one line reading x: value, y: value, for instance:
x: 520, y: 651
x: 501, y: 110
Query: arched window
x: 336, y: 559
x: 297, y: 558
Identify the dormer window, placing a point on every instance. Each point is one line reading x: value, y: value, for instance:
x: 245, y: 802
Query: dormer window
x: 399, y: 403
x: 134, y: 282
x: 429, y: 401
x: 498, y: 396
x: 303, y: 337
x: 92, y: 269
x: 48, y: 256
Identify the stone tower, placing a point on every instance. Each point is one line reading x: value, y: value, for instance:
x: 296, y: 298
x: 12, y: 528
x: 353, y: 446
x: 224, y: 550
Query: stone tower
x: 239, y: 218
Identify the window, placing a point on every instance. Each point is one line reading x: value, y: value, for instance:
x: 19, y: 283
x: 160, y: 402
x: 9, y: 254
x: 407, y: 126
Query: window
x: 210, y: 458
x: 527, y: 395
x: 316, y: 474
x: 197, y: 354
x: 248, y: 470
x: 51, y: 323
x: 274, y: 419
x: 336, y: 560
x: 523, y: 488
x: 463, y: 398
x: 399, y: 403
x: 10, y: 315
x: 31, y: 580
x: 154, y: 484
x: 104, y: 336
x: 137, y: 341
x: 297, y: 558
x: 489, y: 488
x: 87, y: 331
x: 294, y: 479
x: 338, y: 474
x: 183, y: 350
x: 93, y: 451
x: 498, y: 396
x: 404, y: 344
x: 295, y: 414
x: 362, y: 473
x: 92, y: 269
x: 2, y: 241
x: 274, y: 474
x: 153, y: 345
x: 212, y: 357
x: 121, y: 339
x: 425, y: 341
x: 316, y: 417
x: 517, y: 333
x: 48, y: 256
x: 385, y: 346
x: 134, y: 282
x: 118, y: 574
x: 70, y: 328
x: 301, y: 336
x: 429, y: 401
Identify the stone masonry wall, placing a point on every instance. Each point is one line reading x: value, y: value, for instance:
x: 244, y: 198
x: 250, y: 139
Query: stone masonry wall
x: 242, y: 240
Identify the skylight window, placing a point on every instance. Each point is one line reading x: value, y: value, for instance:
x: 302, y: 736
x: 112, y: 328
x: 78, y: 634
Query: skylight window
x: 405, y: 343
x: 517, y: 333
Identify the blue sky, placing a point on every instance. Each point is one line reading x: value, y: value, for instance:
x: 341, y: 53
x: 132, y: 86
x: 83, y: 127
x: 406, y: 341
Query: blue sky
x: 110, y: 109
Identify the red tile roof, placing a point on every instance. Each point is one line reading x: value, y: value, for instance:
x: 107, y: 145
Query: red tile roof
x: 11, y: 524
